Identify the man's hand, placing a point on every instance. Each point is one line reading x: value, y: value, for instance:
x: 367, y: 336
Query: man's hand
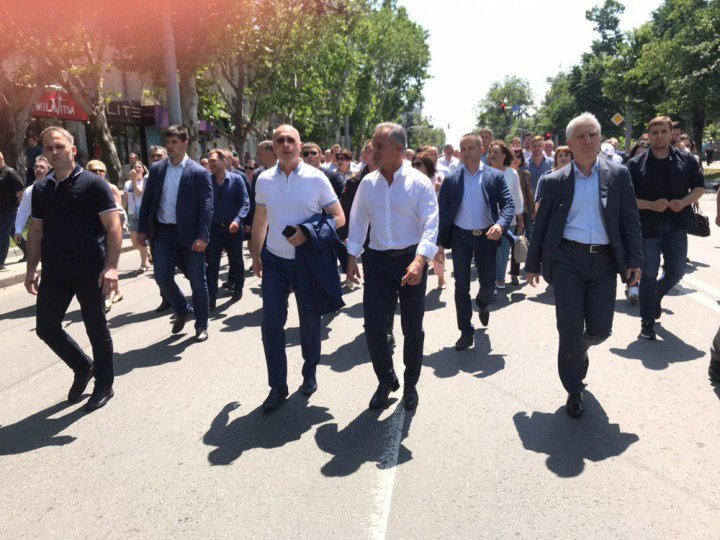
x: 142, y: 238
x: 440, y: 255
x: 257, y: 267
x: 676, y: 205
x: 532, y: 278
x: 233, y: 228
x: 108, y: 280
x: 199, y: 245
x: 414, y: 271
x: 494, y: 233
x: 247, y: 229
x: 353, y: 272
x: 18, y: 238
x: 633, y: 276
x: 659, y: 206
x: 32, y: 282
x: 297, y: 239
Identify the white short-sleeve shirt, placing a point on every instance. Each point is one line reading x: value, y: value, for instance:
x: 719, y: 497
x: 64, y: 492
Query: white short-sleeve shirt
x: 291, y: 200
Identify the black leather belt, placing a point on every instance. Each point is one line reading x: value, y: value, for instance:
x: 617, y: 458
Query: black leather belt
x: 396, y: 252
x: 167, y: 225
x: 474, y: 232
x: 589, y: 248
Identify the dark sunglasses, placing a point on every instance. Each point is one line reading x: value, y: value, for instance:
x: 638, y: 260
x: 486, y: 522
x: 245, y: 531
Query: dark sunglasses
x: 97, y: 171
x: 342, y: 158
x: 417, y: 164
x: 283, y: 140
x: 310, y: 153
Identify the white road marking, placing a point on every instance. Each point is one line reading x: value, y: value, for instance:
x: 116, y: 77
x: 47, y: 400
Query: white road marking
x: 382, y: 492
x: 703, y: 292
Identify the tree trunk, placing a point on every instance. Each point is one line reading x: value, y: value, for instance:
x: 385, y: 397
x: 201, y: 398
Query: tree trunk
x: 15, y: 117
x: 240, y: 130
x: 698, y: 124
x: 101, y: 135
x: 189, y: 105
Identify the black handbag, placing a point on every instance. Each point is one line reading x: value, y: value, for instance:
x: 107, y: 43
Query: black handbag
x: 702, y: 224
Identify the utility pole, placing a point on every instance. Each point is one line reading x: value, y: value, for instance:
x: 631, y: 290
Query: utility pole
x: 172, y: 88
x: 628, y: 129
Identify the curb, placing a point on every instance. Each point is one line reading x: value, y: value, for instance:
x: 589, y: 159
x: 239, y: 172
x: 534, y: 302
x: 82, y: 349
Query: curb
x: 19, y: 277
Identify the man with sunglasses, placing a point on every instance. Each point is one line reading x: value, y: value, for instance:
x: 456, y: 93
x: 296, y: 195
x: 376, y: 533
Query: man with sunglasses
x: 287, y: 195
x: 312, y: 156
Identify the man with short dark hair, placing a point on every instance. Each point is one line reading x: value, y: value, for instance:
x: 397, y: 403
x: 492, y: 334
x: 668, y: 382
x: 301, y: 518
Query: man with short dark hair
x: 32, y: 152
x: 538, y: 164
x: 231, y: 163
x: 132, y: 159
x: 527, y: 146
x: 41, y: 170
x: 11, y: 188
x: 231, y: 206
x: 179, y: 221
x: 311, y: 155
x: 75, y: 230
x: 667, y: 182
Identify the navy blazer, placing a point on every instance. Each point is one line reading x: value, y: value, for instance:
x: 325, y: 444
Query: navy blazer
x: 194, y: 207
x: 319, y: 256
x: 496, y: 193
x: 618, y: 208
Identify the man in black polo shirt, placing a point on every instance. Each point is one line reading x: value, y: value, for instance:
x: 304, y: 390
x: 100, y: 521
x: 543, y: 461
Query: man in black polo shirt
x: 667, y: 182
x: 73, y: 218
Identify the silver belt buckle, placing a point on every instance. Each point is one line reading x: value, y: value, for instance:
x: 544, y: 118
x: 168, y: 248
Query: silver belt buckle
x: 477, y: 232
x: 594, y: 248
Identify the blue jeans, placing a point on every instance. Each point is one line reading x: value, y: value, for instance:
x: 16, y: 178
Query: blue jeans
x: 280, y: 276
x: 165, y: 252
x: 7, y: 227
x: 673, y: 245
x: 501, y: 260
x: 221, y: 238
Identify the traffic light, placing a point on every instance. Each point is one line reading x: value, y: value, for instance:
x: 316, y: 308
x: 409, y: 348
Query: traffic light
x: 503, y: 106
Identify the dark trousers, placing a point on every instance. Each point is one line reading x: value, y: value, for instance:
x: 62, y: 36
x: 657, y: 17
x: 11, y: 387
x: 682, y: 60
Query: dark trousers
x: 280, y: 276
x: 584, y: 285
x: 465, y: 247
x: 383, y: 275
x: 167, y: 248
x: 709, y: 156
x: 54, y: 296
x: 221, y: 238
x: 7, y: 228
x: 672, y: 244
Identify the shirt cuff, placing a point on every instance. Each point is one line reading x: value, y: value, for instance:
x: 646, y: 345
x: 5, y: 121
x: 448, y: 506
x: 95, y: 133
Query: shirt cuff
x: 354, y: 249
x: 426, y: 249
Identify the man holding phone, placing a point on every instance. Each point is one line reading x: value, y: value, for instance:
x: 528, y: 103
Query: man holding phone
x: 287, y: 195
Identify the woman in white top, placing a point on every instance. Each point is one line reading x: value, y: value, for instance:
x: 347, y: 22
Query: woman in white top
x: 500, y: 157
x: 425, y: 163
x: 134, y: 189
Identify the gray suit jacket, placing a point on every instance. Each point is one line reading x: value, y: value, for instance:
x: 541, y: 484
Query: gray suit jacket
x: 619, y: 213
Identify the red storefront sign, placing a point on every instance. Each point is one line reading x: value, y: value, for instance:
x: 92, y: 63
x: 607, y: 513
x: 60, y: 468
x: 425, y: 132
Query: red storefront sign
x: 58, y: 104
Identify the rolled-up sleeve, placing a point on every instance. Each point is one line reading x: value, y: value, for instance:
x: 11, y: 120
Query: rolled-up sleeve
x: 359, y: 221
x: 427, y: 208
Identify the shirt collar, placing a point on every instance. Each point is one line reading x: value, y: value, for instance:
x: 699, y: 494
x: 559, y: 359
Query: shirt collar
x: 181, y: 164
x: 77, y: 170
x: 593, y: 170
x: 480, y: 169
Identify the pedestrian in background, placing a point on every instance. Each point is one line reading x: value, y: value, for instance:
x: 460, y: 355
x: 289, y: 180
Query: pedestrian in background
x: 11, y: 189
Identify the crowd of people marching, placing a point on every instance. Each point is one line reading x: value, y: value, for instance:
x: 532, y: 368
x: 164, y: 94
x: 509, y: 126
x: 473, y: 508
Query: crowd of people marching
x: 590, y: 212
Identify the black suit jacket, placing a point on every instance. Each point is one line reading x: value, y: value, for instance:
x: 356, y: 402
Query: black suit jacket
x: 496, y: 193
x: 194, y: 206
x: 619, y: 212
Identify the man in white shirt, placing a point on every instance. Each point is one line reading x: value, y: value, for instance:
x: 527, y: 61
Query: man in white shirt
x: 549, y: 149
x: 40, y: 169
x: 286, y: 196
x: 399, y: 206
x: 448, y: 160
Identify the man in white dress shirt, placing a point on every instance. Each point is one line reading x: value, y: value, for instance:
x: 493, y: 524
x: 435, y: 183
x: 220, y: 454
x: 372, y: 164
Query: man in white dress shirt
x: 448, y: 159
x: 398, y: 204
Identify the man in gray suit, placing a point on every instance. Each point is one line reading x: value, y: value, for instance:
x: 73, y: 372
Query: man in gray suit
x: 586, y: 231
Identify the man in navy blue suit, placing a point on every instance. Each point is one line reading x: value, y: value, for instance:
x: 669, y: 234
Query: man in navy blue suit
x: 476, y: 209
x: 176, y: 212
x: 586, y: 232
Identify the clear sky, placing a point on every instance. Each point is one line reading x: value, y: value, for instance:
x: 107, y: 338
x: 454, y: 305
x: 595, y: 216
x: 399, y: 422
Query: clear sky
x: 476, y: 42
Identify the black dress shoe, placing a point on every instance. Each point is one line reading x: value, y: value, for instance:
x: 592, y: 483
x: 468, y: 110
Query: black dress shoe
x: 80, y: 384
x: 574, y: 405
x: 275, y: 398
x: 410, y: 399
x: 164, y: 306
x: 309, y: 386
x: 464, y: 342
x: 236, y: 295
x: 201, y: 335
x: 380, y: 397
x: 180, y: 320
x: 714, y: 371
x: 228, y: 285
x: 485, y: 315
x: 99, y: 398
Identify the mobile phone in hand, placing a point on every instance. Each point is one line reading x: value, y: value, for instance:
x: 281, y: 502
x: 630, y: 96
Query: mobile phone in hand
x: 288, y: 231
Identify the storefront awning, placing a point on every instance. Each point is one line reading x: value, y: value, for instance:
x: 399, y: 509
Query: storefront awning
x: 58, y: 104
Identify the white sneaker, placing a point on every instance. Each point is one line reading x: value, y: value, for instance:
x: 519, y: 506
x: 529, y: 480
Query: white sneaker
x: 633, y: 293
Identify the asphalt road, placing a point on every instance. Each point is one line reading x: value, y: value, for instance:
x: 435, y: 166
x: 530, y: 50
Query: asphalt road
x: 183, y: 450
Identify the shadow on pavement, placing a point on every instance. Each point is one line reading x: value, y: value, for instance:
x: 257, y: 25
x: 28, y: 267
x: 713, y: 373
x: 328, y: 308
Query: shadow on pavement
x: 568, y: 442
x: 366, y: 440
x: 39, y: 430
x: 546, y: 297
x: 21, y: 313
x: 658, y: 355
x: 238, y: 322
x: 163, y: 352
x: 477, y: 360
x: 123, y: 319
x: 258, y: 430
x: 691, y: 266
x: 348, y: 355
x: 433, y: 301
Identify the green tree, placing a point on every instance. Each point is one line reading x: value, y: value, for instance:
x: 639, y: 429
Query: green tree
x: 512, y: 91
